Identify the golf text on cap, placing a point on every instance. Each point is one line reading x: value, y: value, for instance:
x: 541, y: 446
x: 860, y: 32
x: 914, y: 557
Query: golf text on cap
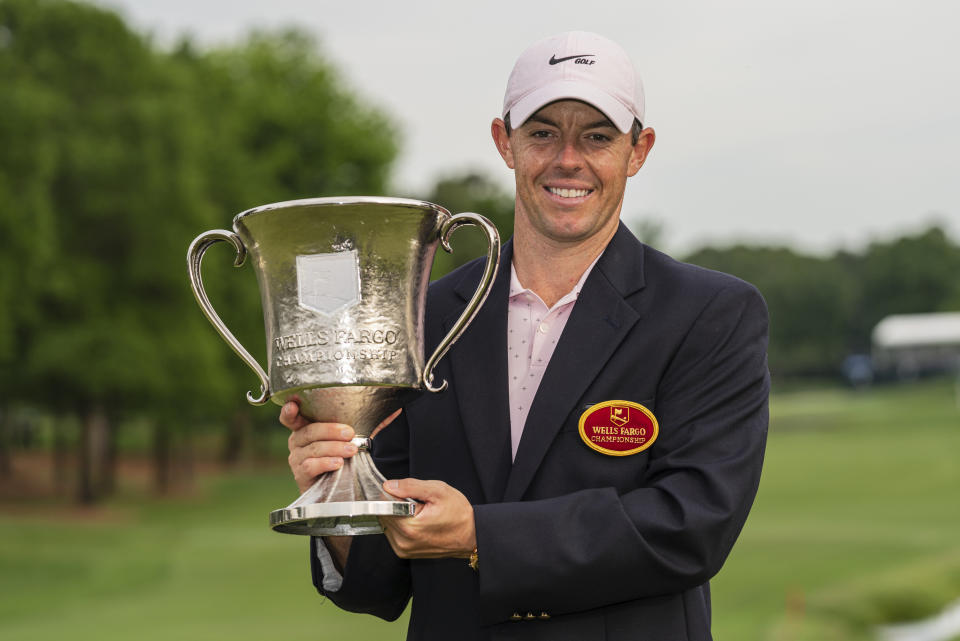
x: 580, y: 59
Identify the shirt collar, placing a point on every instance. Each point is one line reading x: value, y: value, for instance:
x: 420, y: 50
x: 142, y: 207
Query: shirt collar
x: 516, y: 288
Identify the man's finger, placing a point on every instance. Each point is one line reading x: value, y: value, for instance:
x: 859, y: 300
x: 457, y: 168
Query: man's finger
x: 320, y: 432
x: 426, y: 491
x: 290, y: 416
x: 311, y: 468
x: 321, y: 449
x: 306, y: 473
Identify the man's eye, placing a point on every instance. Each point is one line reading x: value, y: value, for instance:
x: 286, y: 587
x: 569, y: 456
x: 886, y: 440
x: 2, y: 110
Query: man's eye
x: 599, y: 138
x: 540, y: 133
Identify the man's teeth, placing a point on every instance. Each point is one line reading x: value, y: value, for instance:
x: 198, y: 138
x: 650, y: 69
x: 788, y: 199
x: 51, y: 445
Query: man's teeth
x: 569, y: 193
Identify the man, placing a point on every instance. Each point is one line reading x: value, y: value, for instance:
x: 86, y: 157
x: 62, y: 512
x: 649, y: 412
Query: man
x: 600, y: 443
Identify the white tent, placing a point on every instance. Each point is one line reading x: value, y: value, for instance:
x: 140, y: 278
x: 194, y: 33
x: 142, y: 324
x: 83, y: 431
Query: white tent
x: 915, y: 330
x: 912, y: 344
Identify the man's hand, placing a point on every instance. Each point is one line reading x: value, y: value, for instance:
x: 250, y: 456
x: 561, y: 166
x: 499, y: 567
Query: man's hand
x: 442, y: 527
x: 316, y: 448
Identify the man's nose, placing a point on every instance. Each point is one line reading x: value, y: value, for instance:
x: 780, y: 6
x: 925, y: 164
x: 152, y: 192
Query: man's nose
x: 569, y: 156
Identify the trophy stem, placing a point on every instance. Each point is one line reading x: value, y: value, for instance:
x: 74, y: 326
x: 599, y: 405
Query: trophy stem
x: 345, y: 502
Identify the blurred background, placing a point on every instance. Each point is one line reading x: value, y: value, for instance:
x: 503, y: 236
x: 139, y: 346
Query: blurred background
x: 805, y: 147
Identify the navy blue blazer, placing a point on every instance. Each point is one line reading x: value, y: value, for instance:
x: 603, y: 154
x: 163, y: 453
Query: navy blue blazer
x: 581, y: 545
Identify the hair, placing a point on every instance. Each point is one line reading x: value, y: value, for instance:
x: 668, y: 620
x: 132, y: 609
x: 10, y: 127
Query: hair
x: 634, y: 130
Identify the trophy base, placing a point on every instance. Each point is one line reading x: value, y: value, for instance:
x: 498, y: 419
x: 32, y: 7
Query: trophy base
x: 346, y: 502
x: 353, y: 518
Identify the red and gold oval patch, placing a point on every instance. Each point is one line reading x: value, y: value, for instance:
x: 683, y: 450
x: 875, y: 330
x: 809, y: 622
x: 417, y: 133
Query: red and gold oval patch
x: 618, y: 428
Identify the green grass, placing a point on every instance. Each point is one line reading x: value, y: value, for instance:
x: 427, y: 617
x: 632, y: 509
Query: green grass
x: 858, y: 506
x: 208, y: 568
x: 855, y: 486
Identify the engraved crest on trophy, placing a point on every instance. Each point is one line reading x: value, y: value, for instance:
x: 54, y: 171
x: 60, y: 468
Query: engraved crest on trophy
x: 327, y: 283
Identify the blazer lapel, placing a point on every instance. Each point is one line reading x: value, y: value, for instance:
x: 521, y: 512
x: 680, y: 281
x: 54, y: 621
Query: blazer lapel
x: 479, y: 363
x: 598, y: 324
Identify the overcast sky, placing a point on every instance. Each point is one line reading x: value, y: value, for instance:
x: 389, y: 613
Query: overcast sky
x: 811, y: 123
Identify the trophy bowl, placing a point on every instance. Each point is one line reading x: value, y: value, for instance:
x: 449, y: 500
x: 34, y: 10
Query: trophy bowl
x: 343, y: 284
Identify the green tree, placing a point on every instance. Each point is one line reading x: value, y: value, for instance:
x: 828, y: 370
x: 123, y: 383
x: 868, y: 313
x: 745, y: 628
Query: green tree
x: 296, y: 132
x: 908, y: 275
x: 111, y: 183
x: 283, y: 124
x: 810, y: 300
x: 471, y: 192
x: 27, y: 220
x: 113, y: 156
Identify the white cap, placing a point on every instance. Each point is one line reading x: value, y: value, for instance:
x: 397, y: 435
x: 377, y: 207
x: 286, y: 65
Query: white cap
x: 576, y: 65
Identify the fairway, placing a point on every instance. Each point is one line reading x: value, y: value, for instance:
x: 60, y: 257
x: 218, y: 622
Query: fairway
x: 856, y: 487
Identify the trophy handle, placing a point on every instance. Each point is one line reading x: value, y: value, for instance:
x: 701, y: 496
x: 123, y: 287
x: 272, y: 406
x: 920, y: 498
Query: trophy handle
x: 195, y: 253
x: 479, y: 296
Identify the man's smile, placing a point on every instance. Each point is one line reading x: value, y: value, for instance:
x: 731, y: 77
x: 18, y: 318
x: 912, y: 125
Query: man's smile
x: 564, y: 192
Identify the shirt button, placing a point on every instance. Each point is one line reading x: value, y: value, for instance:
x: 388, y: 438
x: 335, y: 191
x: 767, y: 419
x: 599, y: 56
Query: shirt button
x: 543, y: 328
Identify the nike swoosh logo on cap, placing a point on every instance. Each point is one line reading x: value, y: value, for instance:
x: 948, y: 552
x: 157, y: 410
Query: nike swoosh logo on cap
x: 555, y: 60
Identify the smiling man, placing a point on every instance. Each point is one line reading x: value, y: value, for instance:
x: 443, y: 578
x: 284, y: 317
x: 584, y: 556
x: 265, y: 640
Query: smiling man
x: 599, y: 447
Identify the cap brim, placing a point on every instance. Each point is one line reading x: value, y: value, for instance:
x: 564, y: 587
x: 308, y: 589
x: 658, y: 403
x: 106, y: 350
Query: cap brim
x: 612, y: 108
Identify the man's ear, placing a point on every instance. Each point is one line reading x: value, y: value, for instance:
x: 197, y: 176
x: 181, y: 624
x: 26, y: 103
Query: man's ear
x: 500, y: 138
x: 640, y: 151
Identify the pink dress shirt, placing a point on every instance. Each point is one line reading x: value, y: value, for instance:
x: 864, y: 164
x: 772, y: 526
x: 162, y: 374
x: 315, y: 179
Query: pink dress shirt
x: 532, y: 335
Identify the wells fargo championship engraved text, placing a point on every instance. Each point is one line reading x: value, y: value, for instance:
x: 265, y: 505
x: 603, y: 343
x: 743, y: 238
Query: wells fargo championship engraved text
x: 336, y: 345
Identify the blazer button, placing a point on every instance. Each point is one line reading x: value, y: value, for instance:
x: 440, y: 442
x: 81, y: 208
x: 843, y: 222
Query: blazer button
x: 515, y: 616
x: 544, y: 616
x: 530, y: 616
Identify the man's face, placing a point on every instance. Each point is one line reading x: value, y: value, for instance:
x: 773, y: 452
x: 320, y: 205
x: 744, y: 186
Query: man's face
x: 571, y: 165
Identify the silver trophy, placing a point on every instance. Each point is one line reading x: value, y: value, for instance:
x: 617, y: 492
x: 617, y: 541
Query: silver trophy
x: 343, y: 283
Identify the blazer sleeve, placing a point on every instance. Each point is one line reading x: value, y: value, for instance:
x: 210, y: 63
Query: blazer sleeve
x: 375, y: 580
x: 596, y: 547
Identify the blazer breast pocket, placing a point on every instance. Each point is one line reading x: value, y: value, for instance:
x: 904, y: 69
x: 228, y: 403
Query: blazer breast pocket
x: 612, y: 452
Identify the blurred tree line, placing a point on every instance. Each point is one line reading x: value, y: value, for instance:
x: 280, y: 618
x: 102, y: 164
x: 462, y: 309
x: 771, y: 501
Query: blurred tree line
x: 823, y: 308
x: 116, y: 153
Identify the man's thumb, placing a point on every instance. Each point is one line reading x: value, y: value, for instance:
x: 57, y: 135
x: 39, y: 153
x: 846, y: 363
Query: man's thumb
x: 411, y: 489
